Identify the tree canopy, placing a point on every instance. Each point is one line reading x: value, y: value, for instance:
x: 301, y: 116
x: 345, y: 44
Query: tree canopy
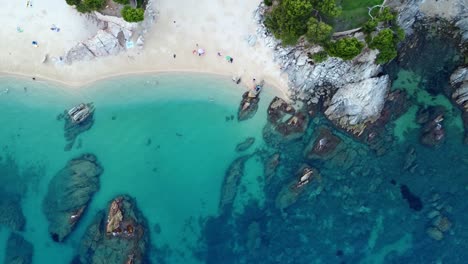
x: 385, y: 41
x: 291, y: 19
x: 130, y: 14
x: 345, y: 48
x: 317, y: 31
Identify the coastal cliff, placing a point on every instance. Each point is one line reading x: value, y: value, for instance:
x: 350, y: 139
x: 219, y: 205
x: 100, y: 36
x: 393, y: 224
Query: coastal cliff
x: 353, y: 92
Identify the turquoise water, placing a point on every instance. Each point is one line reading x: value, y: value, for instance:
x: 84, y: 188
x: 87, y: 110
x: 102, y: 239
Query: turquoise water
x: 176, y: 178
x: 168, y: 139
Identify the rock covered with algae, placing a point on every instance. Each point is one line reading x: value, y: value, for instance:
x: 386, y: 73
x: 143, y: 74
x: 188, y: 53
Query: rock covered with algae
x: 18, y: 250
x: 69, y: 193
x: 118, y: 234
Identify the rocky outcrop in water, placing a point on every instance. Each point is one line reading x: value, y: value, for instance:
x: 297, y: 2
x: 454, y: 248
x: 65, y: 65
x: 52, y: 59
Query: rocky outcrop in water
x: 118, y: 235
x: 11, y: 214
x: 432, y: 128
x: 69, y: 194
x: 290, y: 192
x: 248, y: 107
x: 323, y: 146
x: 18, y: 250
x: 73, y: 130
x: 459, y: 91
x: 284, y: 121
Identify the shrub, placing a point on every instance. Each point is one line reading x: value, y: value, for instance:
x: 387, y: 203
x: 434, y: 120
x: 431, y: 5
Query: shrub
x: 385, y: 41
x: 73, y: 2
x: 318, y: 32
x: 327, y: 7
x: 369, y: 26
x: 92, y: 5
x: 386, y: 15
x: 345, y: 48
x: 130, y: 14
x: 288, y: 20
x: 268, y: 2
x: 319, y: 56
x: 122, y: 2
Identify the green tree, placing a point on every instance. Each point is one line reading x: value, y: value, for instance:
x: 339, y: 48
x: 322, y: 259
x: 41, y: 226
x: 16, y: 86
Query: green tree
x: 369, y: 26
x: 386, y: 15
x: 92, y: 5
x: 319, y: 56
x: 345, y: 48
x: 327, y: 7
x: 288, y: 20
x: 385, y: 41
x: 130, y: 14
x: 317, y: 31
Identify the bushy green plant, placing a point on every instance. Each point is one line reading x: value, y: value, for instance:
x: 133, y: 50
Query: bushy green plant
x: 319, y: 56
x: 318, y: 32
x: 386, y: 42
x: 268, y: 2
x: 386, y: 15
x: 130, y: 14
x: 122, y: 2
x: 327, y: 7
x: 92, y: 5
x: 288, y: 20
x: 73, y: 2
x: 345, y: 48
x: 369, y: 26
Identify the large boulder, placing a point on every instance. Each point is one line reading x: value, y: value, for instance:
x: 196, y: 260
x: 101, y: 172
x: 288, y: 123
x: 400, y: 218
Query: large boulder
x: 459, y: 91
x: 69, y: 194
x: 118, y: 235
x: 231, y: 183
x: 357, y: 103
x: 18, y: 250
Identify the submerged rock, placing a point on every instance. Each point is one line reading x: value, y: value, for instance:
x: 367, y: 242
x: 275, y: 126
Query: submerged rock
x: 414, y: 202
x: 323, y: 146
x: 11, y: 214
x: 290, y: 192
x: 432, y: 130
x: 119, y: 236
x: 231, y: 183
x: 270, y: 166
x: 69, y: 194
x: 18, y: 250
x: 246, y: 144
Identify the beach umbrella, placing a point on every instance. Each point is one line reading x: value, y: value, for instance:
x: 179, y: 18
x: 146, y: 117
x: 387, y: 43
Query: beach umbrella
x: 201, y: 51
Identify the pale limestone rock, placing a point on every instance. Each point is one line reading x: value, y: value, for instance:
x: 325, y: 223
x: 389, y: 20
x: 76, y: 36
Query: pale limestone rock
x: 358, y: 102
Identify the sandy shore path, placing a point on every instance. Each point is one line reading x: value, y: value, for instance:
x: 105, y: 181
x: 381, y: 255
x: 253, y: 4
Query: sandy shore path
x: 215, y: 25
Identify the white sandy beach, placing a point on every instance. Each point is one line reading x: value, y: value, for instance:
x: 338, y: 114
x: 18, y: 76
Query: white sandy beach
x: 215, y: 25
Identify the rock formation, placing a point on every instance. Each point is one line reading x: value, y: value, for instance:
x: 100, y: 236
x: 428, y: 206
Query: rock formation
x: 432, y: 128
x: 231, y: 183
x: 73, y: 130
x: 245, y: 145
x: 69, y: 193
x: 248, y: 107
x: 289, y: 194
x: 118, y: 235
x: 284, y: 121
x: 11, y: 214
x: 112, y: 37
x: 323, y: 146
x: 18, y: 250
x: 459, y: 91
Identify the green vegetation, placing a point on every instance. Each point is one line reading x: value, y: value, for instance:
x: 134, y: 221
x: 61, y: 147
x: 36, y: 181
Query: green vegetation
x: 130, y: 14
x: 354, y: 13
x: 291, y: 19
x: 345, y: 48
x: 288, y: 20
x: 318, y: 32
x: 386, y: 42
x: 122, y: 2
x: 268, y: 2
x: 319, y: 56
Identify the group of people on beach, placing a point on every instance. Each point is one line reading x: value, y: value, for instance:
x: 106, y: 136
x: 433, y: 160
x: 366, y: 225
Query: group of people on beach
x: 201, y: 52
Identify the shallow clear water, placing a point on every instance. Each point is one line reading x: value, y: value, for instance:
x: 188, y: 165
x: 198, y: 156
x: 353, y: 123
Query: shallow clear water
x: 167, y: 141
